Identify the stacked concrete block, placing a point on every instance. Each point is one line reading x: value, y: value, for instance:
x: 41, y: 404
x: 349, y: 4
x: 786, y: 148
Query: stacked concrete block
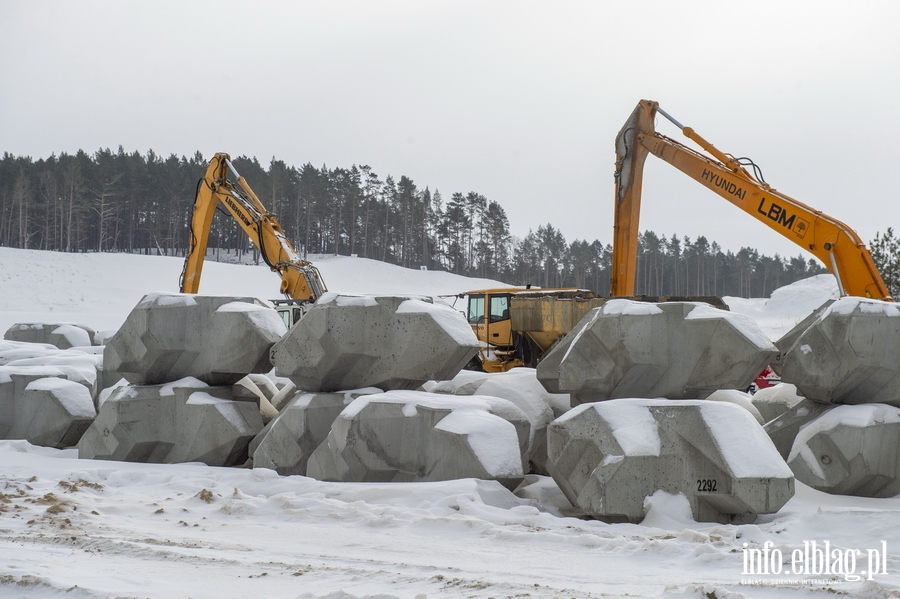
x: 183, y: 421
x: 608, y: 456
x: 348, y: 342
x: 52, y: 412
x: 850, y: 450
x: 288, y: 441
x: 61, y: 335
x: 218, y: 340
x: 774, y: 401
x: 849, y: 355
x: 409, y: 436
x: 521, y: 387
x: 738, y: 398
x: 783, y: 429
x: 786, y: 341
x: 79, y: 365
x: 677, y: 350
x: 13, y: 382
x: 258, y: 388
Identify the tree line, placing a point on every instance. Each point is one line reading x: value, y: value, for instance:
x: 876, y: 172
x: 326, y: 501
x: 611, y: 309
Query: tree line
x: 141, y: 203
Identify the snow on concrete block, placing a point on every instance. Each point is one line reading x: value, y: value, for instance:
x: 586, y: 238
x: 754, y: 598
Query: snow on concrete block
x: 738, y: 398
x: 849, y: 354
x: 61, y: 335
x: 677, y: 350
x: 287, y: 442
x: 15, y: 377
x: 406, y: 436
x: 218, y: 340
x: 784, y: 428
x: 213, y: 428
x: 774, y: 401
x: 850, y: 450
x: 77, y: 364
x: 183, y: 421
x: 521, y: 387
x: 350, y: 342
x: 53, y: 412
x: 608, y: 456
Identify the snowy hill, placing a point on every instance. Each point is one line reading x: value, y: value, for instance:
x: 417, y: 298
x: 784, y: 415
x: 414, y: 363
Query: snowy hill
x: 99, y: 290
x: 92, y: 529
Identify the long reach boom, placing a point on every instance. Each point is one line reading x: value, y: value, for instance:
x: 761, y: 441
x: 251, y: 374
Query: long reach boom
x: 300, y: 280
x: 828, y: 239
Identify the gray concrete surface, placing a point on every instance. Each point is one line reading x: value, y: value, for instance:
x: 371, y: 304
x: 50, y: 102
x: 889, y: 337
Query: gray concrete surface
x: 62, y: 335
x: 288, y: 441
x: 677, y: 350
x: 783, y: 429
x: 218, y: 340
x: 774, y: 401
x: 52, y: 412
x: 407, y: 436
x: 521, y: 387
x: 184, y: 421
x: 349, y: 342
x: 738, y: 398
x: 849, y: 355
x: 850, y: 450
x: 608, y: 456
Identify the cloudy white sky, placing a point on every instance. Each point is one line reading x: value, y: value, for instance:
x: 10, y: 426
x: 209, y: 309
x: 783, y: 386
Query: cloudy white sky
x: 519, y: 101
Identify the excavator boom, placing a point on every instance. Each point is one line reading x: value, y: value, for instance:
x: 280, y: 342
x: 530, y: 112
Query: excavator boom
x: 830, y: 240
x: 300, y: 280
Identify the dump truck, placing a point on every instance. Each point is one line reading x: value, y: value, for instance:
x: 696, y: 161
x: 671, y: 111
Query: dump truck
x: 517, y: 326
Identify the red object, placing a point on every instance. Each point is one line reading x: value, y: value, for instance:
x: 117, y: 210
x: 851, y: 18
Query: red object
x: 766, y: 378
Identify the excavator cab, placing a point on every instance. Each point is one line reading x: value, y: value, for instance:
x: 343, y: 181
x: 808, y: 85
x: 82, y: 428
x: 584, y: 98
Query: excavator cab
x: 489, y: 318
x: 290, y: 310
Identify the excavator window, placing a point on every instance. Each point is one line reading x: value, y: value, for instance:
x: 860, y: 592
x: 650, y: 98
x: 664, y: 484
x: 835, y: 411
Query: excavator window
x: 476, y: 309
x: 499, y: 308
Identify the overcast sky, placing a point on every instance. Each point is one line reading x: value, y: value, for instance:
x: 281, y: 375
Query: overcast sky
x: 519, y: 101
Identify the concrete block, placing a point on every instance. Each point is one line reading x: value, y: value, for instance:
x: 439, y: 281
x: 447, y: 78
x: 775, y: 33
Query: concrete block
x: 79, y: 365
x: 849, y: 355
x: 287, y: 442
x: 850, y: 450
x: 784, y: 428
x: 521, y: 387
x: 774, y: 401
x: 348, y: 342
x: 407, y: 436
x: 246, y: 389
x: 738, y: 398
x: 218, y: 340
x: 52, y: 412
x: 15, y: 378
x: 608, y: 456
x: 183, y: 421
x: 677, y: 350
x: 786, y: 341
x: 62, y: 335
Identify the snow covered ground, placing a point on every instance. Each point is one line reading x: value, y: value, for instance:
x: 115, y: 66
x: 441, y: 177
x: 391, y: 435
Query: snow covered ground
x: 85, y: 529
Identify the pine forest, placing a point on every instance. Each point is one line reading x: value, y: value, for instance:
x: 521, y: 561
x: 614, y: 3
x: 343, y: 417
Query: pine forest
x: 142, y: 203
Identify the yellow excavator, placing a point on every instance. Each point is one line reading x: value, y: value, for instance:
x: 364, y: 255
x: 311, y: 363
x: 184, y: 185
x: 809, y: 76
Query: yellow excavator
x: 301, y: 282
x: 828, y: 239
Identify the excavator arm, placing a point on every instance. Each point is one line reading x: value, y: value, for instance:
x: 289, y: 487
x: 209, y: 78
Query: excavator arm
x: 300, y: 280
x: 828, y: 239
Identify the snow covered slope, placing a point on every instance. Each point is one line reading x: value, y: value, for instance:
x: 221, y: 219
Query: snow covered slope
x: 84, y: 529
x: 99, y: 290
